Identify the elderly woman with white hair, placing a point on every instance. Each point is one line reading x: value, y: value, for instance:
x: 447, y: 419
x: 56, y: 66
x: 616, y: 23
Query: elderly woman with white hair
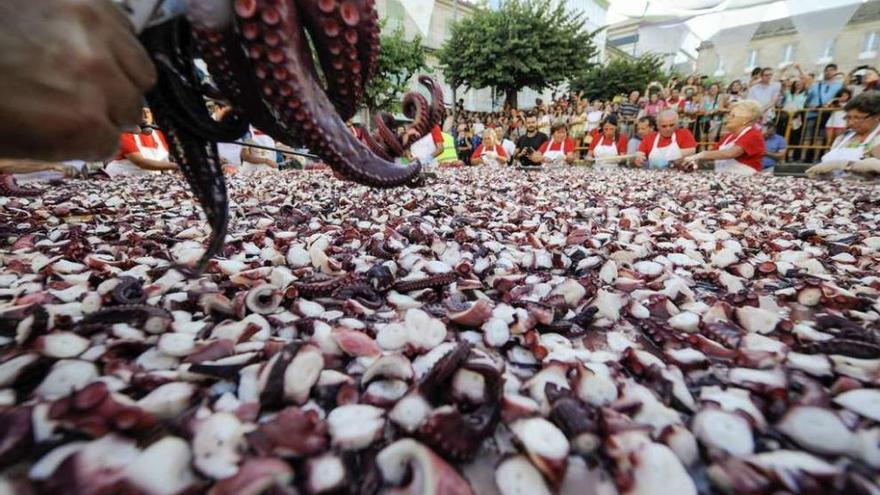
x: 741, y: 150
x: 490, y: 151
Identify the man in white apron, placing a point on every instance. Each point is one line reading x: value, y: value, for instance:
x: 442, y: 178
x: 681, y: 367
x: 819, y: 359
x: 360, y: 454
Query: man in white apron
x: 669, y: 144
x: 857, y: 150
x: 255, y: 160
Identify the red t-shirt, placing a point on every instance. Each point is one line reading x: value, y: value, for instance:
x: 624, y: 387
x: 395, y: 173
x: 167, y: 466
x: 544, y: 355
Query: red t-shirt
x: 683, y: 138
x: 567, y: 146
x: 502, y: 155
x: 128, y: 145
x: 621, y: 143
x: 752, y: 143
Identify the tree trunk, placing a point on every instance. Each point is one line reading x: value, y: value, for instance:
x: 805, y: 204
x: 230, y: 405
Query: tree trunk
x: 510, y: 98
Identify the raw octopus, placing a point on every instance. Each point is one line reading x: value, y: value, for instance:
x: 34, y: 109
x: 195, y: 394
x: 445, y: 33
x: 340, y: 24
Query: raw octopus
x: 569, y: 331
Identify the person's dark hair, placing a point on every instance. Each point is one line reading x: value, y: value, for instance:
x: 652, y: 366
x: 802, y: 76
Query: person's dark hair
x: 730, y: 86
x: 831, y: 66
x: 844, y: 91
x: 867, y: 102
x: 652, y: 122
x: 612, y: 119
x: 757, y: 71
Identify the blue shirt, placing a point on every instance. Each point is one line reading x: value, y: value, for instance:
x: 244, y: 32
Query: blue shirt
x: 772, y: 144
x: 821, y: 94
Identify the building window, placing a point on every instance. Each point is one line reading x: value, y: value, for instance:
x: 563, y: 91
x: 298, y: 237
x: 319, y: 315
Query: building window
x: 719, y: 67
x: 752, y: 59
x: 788, y: 52
x: 829, y: 49
x: 872, y: 40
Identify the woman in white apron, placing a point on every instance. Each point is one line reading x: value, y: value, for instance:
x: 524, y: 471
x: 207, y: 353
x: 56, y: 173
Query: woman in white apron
x: 553, y: 151
x: 489, y: 152
x: 149, y: 155
x: 254, y: 160
x: 856, y: 151
x: 742, y: 150
x: 607, y: 144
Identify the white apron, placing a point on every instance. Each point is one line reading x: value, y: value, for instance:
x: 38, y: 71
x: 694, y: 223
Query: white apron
x: 492, y: 161
x: 732, y: 166
x: 248, y: 168
x: 660, y: 157
x: 555, y: 157
x: 841, y: 153
x: 603, y: 151
x: 125, y: 168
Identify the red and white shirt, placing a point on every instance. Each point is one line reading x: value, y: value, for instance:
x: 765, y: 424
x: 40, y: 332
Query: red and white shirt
x: 752, y: 143
x: 566, y: 146
x: 683, y: 138
x: 606, y: 141
x: 499, y: 150
x: 128, y: 143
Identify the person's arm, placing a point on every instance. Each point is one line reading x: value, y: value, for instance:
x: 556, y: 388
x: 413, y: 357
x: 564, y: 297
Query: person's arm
x: 644, y: 150
x: 734, y: 151
x: 538, y: 155
x: 686, y: 142
x: 31, y: 166
x: 73, y: 75
x: 477, y: 157
x: 779, y: 155
x: 250, y: 156
x: 148, y: 164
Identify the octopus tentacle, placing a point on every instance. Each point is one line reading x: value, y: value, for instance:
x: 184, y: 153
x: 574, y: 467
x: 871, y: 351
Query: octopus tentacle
x: 129, y: 291
x: 337, y: 29
x: 280, y: 64
x: 859, y: 349
x: 322, y: 288
x: 9, y: 187
x: 125, y: 313
x: 432, y: 282
x: 191, y: 131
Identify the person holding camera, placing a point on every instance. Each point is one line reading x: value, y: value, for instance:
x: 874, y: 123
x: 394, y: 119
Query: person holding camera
x: 529, y: 143
x: 863, y: 78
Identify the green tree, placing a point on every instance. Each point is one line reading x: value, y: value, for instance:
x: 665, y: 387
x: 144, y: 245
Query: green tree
x: 620, y: 75
x: 399, y: 61
x: 525, y: 43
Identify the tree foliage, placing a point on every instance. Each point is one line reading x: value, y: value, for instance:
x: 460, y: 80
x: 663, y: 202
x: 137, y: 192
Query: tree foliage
x: 620, y: 76
x: 525, y: 43
x: 399, y: 61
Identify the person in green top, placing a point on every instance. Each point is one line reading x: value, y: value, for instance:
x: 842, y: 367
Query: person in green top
x: 449, y: 155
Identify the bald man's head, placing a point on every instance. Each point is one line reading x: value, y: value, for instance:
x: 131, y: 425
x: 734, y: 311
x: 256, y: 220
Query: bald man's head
x: 667, y: 122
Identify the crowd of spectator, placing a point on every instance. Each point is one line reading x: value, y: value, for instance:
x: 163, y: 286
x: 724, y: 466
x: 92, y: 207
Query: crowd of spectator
x: 800, y: 110
x: 758, y: 124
